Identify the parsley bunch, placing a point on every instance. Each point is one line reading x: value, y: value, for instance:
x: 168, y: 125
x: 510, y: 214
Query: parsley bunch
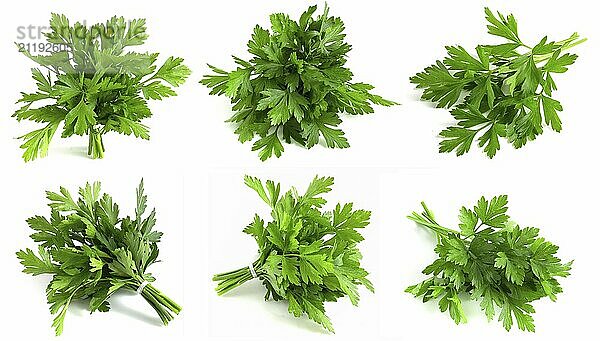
x: 492, y: 260
x: 295, y: 86
x: 93, y: 85
x: 92, y: 253
x: 307, y: 256
x: 503, y: 91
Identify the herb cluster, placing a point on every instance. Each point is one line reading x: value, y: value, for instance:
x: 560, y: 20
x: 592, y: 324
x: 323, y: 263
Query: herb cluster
x: 307, y: 256
x: 91, y: 252
x: 295, y: 86
x: 492, y: 260
x: 294, y: 89
x: 501, y: 91
x: 94, y: 86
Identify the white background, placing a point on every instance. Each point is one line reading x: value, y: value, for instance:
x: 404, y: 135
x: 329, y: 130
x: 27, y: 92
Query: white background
x: 193, y: 168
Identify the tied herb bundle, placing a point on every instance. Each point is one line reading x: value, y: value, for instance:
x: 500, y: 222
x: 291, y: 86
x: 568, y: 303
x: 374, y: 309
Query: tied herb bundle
x: 501, y: 91
x: 307, y: 256
x: 295, y: 86
x: 92, y: 253
x: 492, y: 260
x: 93, y: 86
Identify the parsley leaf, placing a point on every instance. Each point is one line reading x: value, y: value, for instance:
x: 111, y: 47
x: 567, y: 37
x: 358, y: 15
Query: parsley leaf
x: 492, y: 260
x: 94, y: 85
x: 500, y: 91
x: 307, y: 256
x: 92, y: 253
x: 295, y: 86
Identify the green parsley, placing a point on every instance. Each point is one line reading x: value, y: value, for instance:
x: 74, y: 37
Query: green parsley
x: 93, y: 85
x: 503, y: 91
x: 492, y: 260
x: 307, y: 256
x: 92, y: 253
x: 295, y: 86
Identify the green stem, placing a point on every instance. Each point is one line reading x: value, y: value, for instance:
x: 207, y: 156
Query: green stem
x: 565, y: 47
x: 162, y: 304
x: 165, y: 300
x: 438, y: 229
x: 95, y: 145
x: 567, y: 44
x: 228, y: 281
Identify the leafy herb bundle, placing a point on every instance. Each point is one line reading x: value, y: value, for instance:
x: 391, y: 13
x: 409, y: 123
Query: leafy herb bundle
x: 93, y: 85
x: 492, y: 260
x: 307, y: 256
x: 504, y: 91
x: 295, y: 86
x: 92, y: 253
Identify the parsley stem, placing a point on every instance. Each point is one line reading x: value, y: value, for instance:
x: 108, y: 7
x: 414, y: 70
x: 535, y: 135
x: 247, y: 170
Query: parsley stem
x: 566, y: 44
x: 434, y: 227
x: 233, y: 279
x: 95, y: 145
x: 161, y: 303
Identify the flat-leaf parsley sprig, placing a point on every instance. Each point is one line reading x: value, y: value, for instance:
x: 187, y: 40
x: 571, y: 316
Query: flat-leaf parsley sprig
x: 501, y: 91
x: 502, y: 265
x: 91, y: 252
x: 93, y: 85
x: 295, y: 86
x: 307, y: 256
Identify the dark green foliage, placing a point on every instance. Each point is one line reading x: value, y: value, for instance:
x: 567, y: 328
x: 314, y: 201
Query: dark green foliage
x: 503, y: 266
x: 502, y: 91
x: 92, y: 253
x: 295, y: 86
x: 307, y: 256
x: 93, y: 85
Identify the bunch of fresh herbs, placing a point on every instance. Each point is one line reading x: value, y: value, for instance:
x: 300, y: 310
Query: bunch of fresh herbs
x: 492, y: 260
x: 307, y: 256
x: 92, y: 85
x: 296, y: 85
x: 501, y: 91
x: 91, y: 252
